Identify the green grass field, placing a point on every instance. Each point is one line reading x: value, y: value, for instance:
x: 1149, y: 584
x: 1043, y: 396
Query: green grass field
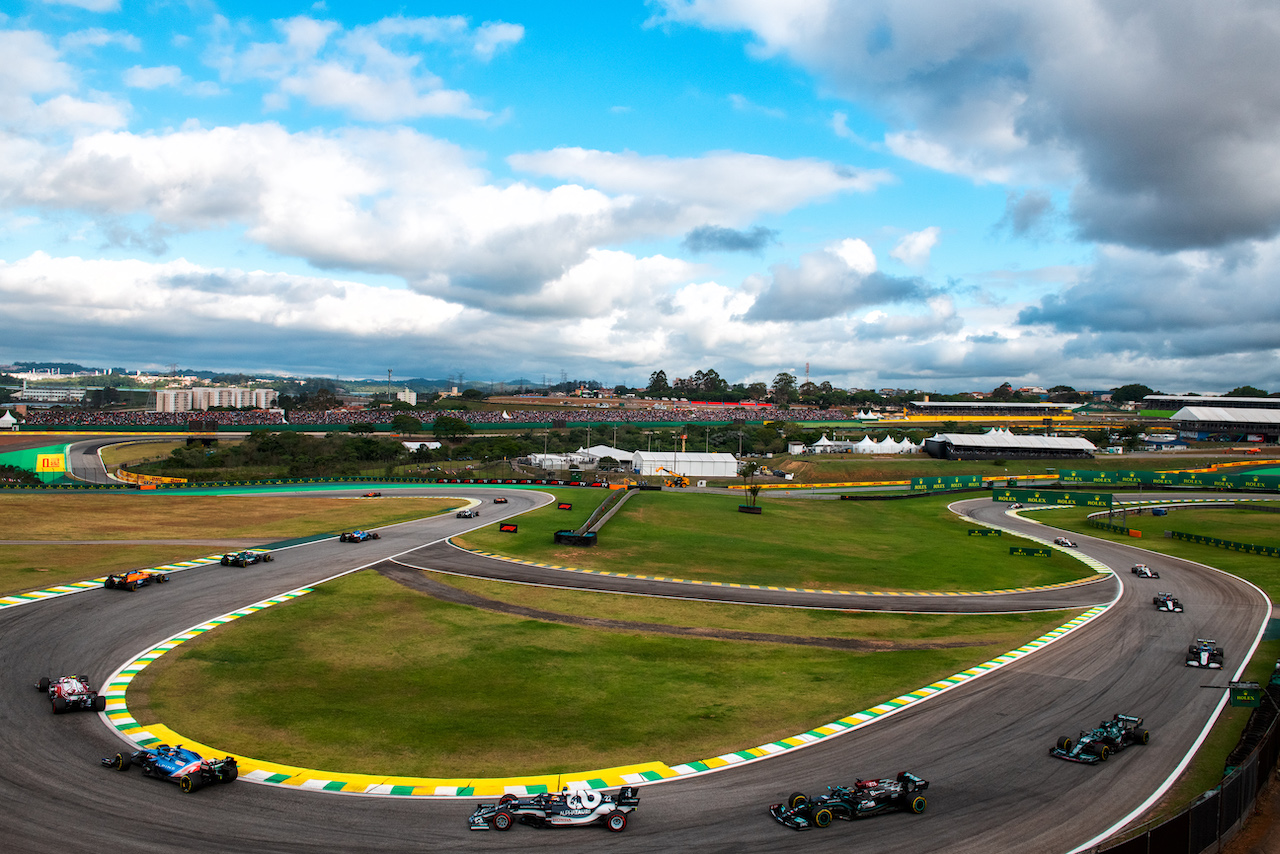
x: 913, y: 544
x: 24, y: 568
x: 364, y: 675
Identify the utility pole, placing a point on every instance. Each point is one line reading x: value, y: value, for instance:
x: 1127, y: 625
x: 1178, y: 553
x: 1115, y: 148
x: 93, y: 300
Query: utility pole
x: 389, y: 396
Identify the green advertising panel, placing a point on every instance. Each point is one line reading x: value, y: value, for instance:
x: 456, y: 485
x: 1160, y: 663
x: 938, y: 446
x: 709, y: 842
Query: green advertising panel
x: 1048, y: 496
x: 1246, y: 694
x: 1259, y: 481
x: 1087, y: 476
x: 930, y: 484
x: 1027, y: 551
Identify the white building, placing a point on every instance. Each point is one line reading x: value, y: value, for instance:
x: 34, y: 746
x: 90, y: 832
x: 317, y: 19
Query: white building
x: 691, y: 464
x: 186, y: 400
x: 408, y: 396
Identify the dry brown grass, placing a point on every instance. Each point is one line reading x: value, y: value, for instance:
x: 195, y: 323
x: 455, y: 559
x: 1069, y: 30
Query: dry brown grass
x: 134, y: 516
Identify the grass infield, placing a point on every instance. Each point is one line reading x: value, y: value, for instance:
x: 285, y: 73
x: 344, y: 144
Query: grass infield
x: 912, y: 544
x: 364, y: 675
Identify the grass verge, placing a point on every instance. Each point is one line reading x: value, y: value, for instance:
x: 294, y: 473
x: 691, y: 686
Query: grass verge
x: 134, y: 516
x: 24, y: 568
x: 914, y: 544
x: 364, y: 675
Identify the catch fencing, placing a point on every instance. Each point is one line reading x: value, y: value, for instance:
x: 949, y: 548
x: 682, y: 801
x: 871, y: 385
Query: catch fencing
x: 1216, y: 816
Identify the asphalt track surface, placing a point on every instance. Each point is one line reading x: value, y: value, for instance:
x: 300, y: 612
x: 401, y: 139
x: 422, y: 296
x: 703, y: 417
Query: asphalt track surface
x: 982, y: 745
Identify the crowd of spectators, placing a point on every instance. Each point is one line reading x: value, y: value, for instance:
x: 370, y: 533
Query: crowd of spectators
x: 263, y: 417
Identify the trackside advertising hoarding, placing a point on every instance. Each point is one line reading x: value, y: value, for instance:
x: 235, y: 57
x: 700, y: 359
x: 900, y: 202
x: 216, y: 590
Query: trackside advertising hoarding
x: 1047, y: 496
x: 931, y: 484
x: 1185, y: 479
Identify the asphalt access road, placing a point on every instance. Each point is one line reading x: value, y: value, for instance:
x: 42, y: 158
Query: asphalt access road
x: 86, y: 465
x: 983, y: 745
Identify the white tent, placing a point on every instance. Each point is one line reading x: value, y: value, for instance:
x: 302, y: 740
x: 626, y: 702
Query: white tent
x: 866, y: 445
x: 689, y: 464
x: 8, y: 422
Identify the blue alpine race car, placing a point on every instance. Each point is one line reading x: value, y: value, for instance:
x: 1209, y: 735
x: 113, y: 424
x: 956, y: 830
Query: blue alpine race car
x: 177, y: 765
x: 358, y: 536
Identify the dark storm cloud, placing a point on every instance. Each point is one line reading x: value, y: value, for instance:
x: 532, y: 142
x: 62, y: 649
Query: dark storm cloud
x: 1027, y: 214
x: 1163, y: 116
x: 713, y: 238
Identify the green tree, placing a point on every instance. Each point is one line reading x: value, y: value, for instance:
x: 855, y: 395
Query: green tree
x: 757, y: 391
x: 472, y: 394
x: 406, y: 424
x: 360, y: 428
x: 783, y: 389
x: 1130, y: 392
x: 1246, y: 391
x: 449, y: 429
x: 658, y: 384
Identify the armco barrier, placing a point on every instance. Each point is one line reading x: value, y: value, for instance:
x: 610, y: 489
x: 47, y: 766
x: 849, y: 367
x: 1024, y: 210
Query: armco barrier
x: 1216, y: 816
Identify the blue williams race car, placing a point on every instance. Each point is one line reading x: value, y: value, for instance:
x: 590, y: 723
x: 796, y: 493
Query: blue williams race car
x: 1107, y: 738
x: 864, y: 798
x: 358, y: 536
x: 559, y: 809
x: 1205, y: 653
x: 177, y: 765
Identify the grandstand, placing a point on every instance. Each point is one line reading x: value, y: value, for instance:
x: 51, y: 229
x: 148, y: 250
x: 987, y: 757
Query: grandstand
x: 987, y: 410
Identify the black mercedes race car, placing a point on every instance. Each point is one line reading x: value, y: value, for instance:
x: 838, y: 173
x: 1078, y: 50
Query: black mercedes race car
x: 1097, y: 744
x: 1205, y: 653
x: 560, y: 809
x: 1166, y: 602
x: 1063, y: 541
x: 246, y: 558
x: 864, y: 798
x: 177, y: 765
x: 1143, y: 571
x: 467, y: 514
x: 71, y: 692
x: 358, y: 536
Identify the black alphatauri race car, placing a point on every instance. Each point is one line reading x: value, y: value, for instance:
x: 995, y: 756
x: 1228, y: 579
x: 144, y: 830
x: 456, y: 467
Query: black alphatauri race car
x: 559, y: 809
x: 864, y: 798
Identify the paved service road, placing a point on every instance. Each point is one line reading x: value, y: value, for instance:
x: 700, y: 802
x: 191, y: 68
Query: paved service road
x: 983, y: 745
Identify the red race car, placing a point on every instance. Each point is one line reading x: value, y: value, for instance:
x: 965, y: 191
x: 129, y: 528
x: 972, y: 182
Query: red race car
x: 71, y: 692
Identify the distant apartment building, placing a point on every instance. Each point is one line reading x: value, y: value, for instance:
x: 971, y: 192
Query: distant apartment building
x: 408, y: 396
x: 63, y: 394
x: 186, y: 400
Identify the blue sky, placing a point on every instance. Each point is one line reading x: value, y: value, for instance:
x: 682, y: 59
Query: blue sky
x: 911, y: 194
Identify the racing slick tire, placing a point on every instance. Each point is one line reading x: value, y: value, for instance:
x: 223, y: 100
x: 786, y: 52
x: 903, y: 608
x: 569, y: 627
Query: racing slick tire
x: 1064, y: 743
x: 507, y: 799
x: 267, y: 558
x: 59, y: 705
x: 229, y: 774
x: 822, y: 817
x: 99, y: 703
x: 1142, y: 737
x: 795, y: 799
x: 43, y: 685
x: 1102, y: 752
x: 616, y: 821
x: 122, y: 762
x: 162, y: 578
x: 918, y: 804
x: 189, y: 783
x: 502, y: 820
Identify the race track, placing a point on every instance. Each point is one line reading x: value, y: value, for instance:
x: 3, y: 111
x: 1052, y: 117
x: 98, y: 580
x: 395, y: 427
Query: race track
x: 982, y: 745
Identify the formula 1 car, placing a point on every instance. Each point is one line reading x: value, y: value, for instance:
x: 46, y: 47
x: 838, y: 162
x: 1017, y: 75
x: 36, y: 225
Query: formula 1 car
x: 1063, y: 541
x: 1015, y: 506
x: 499, y: 501
x: 177, y: 765
x: 372, y: 495
x: 133, y: 579
x: 864, y: 798
x: 467, y: 514
x: 1166, y: 602
x: 358, y: 536
x: 71, y: 692
x: 560, y: 809
x: 1097, y: 744
x: 1205, y: 653
x: 1143, y: 571
x: 246, y: 558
